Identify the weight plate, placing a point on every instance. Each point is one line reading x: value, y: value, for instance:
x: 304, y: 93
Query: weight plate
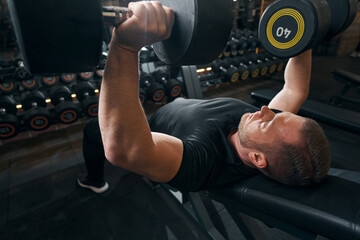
x: 37, y: 119
x: 68, y: 77
x: 9, y: 126
x: 60, y: 93
x: 161, y: 74
x: 343, y: 13
x: 67, y: 112
x: 145, y: 79
x: 280, y: 65
x: 272, y: 69
x: 289, y: 27
x: 200, y: 33
x: 8, y: 87
x: 156, y: 91
x: 86, y: 75
x: 91, y: 106
x: 74, y: 42
x: 175, y: 88
x: 84, y: 89
x: 99, y: 73
x: 35, y: 98
x: 264, y: 70
x: 245, y: 75
x: 158, y: 95
x: 30, y: 84
x: 353, y: 10
x: 49, y: 81
x: 255, y: 71
x: 235, y: 77
x: 142, y: 96
x: 9, y: 104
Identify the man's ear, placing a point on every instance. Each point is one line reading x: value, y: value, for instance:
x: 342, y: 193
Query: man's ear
x: 258, y: 159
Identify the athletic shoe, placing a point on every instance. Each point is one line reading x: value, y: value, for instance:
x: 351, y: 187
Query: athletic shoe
x: 98, y: 187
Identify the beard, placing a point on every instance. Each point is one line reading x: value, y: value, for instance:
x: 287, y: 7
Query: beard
x: 244, y: 138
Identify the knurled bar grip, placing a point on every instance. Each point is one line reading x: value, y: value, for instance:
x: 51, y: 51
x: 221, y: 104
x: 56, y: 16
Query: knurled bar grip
x: 114, y: 16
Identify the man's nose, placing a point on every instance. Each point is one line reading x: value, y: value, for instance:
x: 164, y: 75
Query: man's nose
x: 266, y: 114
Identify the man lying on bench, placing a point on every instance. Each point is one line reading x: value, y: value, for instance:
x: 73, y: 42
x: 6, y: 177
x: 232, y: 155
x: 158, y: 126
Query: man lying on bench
x: 198, y: 144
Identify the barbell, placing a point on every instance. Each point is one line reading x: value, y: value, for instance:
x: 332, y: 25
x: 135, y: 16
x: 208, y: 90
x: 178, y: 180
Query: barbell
x: 290, y: 27
x: 66, y: 36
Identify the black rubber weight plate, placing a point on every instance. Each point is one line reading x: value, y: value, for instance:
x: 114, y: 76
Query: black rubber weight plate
x: 200, y: 33
x: 55, y: 36
x: 286, y: 12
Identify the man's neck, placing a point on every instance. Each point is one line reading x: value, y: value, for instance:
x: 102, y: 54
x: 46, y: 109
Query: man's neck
x: 240, y: 151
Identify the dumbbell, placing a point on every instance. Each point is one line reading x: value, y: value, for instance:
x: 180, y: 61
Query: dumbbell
x: 8, y: 87
x: 9, y: 122
x: 86, y: 76
x: 37, y: 117
x: 290, y: 27
x: 230, y: 75
x: 253, y: 68
x: 280, y: 62
x: 68, y: 78
x: 255, y: 58
x: 227, y: 50
x: 48, y: 81
x: 253, y: 42
x: 270, y: 61
x: 154, y: 90
x: 142, y: 95
x: 173, y: 87
x: 246, y: 32
x: 242, y: 69
x: 85, y: 93
x: 30, y: 84
x: 234, y: 47
x: 242, y: 43
x: 197, y: 36
x: 66, y: 111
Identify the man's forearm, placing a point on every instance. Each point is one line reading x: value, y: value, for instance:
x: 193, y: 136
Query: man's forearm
x: 121, y: 117
x: 296, y: 87
x: 298, y: 73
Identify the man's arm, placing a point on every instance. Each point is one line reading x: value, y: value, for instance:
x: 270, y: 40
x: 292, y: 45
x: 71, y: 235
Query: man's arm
x: 127, y: 138
x: 296, y: 87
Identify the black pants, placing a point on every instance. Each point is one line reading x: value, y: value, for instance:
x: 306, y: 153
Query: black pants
x: 93, y: 151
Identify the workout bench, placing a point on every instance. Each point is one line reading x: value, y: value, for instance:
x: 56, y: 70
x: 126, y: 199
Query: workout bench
x: 330, y: 209
x: 349, y: 80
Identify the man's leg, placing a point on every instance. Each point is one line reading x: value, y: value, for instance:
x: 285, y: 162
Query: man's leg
x: 94, y: 157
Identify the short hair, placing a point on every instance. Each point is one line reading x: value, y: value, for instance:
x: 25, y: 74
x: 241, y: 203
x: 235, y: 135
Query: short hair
x: 305, y: 163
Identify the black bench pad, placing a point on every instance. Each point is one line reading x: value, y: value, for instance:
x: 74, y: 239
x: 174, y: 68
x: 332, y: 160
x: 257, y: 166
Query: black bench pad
x: 344, y: 76
x: 331, y: 209
x: 331, y: 115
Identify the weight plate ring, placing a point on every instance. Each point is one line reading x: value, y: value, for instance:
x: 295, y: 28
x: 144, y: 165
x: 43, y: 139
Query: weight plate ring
x: 10, y: 133
x: 299, y: 34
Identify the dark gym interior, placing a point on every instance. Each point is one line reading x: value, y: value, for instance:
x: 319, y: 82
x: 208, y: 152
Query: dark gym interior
x: 39, y: 196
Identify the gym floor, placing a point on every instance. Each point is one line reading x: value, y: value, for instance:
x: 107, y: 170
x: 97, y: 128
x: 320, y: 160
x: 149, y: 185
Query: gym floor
x: 39, y: 198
